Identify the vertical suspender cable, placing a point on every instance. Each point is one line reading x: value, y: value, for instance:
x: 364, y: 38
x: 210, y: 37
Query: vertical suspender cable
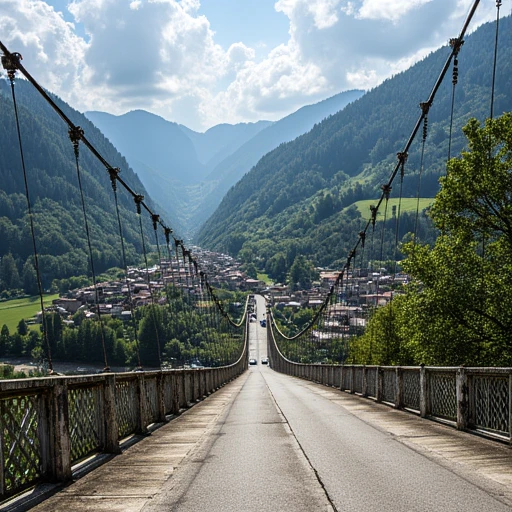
x: 113, y: 172
x: 11, y: 62
x: 138, y: 200
x: 75, y: 134
x: 425, y: 107
x: 498, y: 5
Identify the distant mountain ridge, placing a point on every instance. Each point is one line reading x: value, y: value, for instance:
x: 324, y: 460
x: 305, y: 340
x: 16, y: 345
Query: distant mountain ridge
x: 297, y: 199
x: 189, y: 172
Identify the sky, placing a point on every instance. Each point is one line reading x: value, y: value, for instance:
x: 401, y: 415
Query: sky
x: 205, y: 62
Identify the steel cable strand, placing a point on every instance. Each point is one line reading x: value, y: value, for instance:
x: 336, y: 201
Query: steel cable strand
x: 113, y: 178
x: 455, y: 44
x: 498, y: 5
x: 403, y: 158
x: 75, y: 136
x: 425, y: 107
x: 11, y: 63
x: 138, y: 201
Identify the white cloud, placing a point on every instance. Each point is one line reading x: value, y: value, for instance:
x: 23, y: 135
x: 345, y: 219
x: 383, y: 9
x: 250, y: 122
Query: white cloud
x: 388, y: 9
x: 161, y: 55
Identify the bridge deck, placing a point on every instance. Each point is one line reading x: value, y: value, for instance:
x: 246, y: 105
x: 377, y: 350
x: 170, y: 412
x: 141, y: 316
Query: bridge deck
x: 145, y: 472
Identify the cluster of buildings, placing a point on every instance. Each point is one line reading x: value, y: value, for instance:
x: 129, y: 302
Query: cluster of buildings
x: 356, y: 294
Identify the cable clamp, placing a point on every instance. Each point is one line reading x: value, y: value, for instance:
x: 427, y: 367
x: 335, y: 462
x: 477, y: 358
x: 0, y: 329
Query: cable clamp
x: 11, y: 63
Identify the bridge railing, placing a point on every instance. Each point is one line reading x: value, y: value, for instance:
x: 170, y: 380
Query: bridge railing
x: 50, y: 424
x: 472, y: 399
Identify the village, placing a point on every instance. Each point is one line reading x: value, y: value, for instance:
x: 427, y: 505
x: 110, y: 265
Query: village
x: 360, y: 292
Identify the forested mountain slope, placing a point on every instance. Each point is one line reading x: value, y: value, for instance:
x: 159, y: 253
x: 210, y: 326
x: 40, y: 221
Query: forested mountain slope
x: 295, y: 199
x: 233, y: 167
x: 55, y: 196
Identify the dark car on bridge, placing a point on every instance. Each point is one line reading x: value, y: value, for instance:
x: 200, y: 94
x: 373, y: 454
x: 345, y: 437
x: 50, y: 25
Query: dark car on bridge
x: 253, y: 361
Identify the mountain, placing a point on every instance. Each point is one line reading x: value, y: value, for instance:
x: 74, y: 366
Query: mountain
x: 232, y: 168
x: 297, y: 199
x: 189, y: 172
x: 55, y: 195
x: 221, y: 140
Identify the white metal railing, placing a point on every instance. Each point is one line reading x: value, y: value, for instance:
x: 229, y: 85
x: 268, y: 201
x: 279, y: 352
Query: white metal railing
x: 49, y: 424
x: 472, y: 399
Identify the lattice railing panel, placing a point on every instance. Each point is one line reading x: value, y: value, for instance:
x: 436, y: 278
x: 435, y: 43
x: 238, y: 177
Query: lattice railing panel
x: 371, y: 382
x: 491, y: 403
x: 411, y: 379
x: 358, y: 380
x: 442, y: 394
x: 21, y: 451
x: 84, y: 421
x: 152, y: 399
x: 126, y: 407
x: 388, y: 385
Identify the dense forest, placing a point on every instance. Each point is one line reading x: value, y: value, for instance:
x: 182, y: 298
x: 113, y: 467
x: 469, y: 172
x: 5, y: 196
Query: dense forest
x: 297, y: 199
x: 55, y: 196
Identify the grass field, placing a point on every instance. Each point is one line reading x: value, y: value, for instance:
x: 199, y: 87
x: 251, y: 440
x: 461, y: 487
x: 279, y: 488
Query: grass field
x: 12, y: 311
x: 408, y: 204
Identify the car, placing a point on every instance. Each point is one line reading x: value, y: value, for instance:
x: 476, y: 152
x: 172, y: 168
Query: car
x: 253, y: 361
x: 264, y: 360
x: 263, y: 323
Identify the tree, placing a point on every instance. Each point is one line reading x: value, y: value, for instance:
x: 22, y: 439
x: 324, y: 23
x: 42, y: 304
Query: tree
x: 22, y: 327
x: 29, y: 278
x: 9, y: 276
x: 460, y: 308
x: 4, y: 340
x: 302, y: 273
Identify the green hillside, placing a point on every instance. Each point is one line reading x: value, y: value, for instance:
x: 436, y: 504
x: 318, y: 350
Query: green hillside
x: 55, y: 196
x: 296, y: 199
x: 407, y: 205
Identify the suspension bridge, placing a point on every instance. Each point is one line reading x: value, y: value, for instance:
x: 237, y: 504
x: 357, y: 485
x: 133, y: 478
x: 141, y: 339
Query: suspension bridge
x: 295, y: 434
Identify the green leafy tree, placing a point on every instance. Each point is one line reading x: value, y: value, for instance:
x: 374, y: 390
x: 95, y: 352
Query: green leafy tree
x: 9, y: 275
x: 459, y: 306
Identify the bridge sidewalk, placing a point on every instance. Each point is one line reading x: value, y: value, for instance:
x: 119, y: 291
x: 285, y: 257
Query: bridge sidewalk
x: 130, y: 481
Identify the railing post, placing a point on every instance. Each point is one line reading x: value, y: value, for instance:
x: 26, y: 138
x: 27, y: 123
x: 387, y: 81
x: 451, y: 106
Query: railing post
x: 352, y: 379
x: 160, y: 396
x: 364, y: 387
x: 379, y: 382
x: 462, y: 399
x: 110, y: 427
x: 399, y: 394
x: 175, y: 392
x: 142, y: 421
x: 60, y: 441
x: 342, y: 375
x: 423, y: 391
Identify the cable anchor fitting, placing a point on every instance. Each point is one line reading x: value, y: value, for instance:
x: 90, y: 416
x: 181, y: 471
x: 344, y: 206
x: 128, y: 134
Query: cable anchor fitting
x: 425, y: 107
x: 138, y: 200
x: 362, y: 236
x: 113, y: 172
x: 11, y: 63
x: 386, y: 190
x: 167, y: 233
x: 155, y: 218
x: 373, y: 210
x: 402, y: 158
x: 75, y: 135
